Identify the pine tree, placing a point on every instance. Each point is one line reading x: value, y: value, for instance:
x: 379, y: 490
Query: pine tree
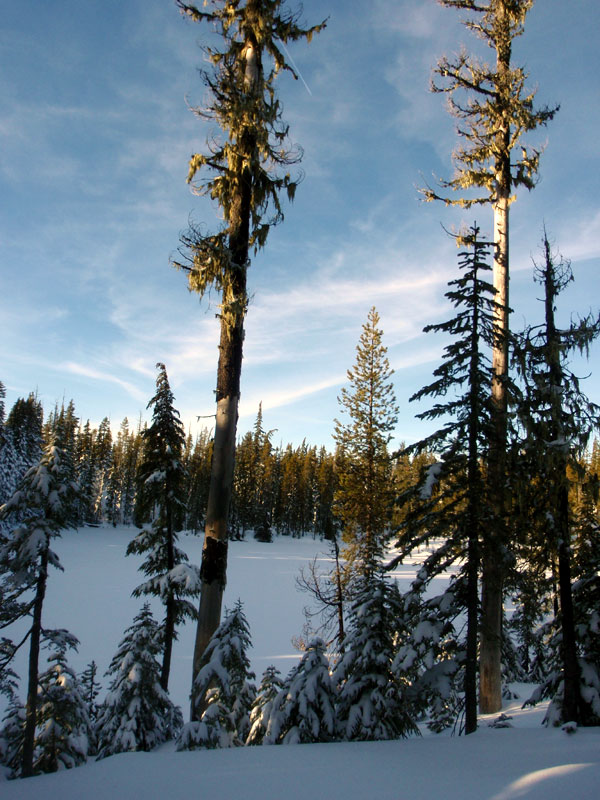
x: 262, y: 706
x: 244, y: 182
x: 44, y: 501
x: 304, y: 710
x: 494, y: 110
x: 372, y: 702
x: 64, y: 729
x: 162, y: 476
x: 222, y: 688
x: 558, y: 420
x: 137, y: 713
x: 364, y: 496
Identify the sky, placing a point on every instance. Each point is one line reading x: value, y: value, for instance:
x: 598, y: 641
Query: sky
x: 96, y: 131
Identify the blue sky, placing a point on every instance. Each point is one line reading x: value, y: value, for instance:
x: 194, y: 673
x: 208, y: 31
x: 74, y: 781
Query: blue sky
x: 95, y: 137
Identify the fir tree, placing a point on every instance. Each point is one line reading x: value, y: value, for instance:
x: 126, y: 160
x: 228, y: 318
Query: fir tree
x: 44, y: 501
x: 137, y: 713
x: 162, y: 475
x: 244, y: 182
x: 372, y: 702
x: 12, y: 737
x: 64, y: 728
x: 304, y: 710
x: 495, y: 110
x: 457, y: 514
x: 262, y: 706
x: 364, y: 496
x: 223, y: 688
x: 558, y: 420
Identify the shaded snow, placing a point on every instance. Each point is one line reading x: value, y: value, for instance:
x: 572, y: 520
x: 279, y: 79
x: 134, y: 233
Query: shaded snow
x: 92, y: 599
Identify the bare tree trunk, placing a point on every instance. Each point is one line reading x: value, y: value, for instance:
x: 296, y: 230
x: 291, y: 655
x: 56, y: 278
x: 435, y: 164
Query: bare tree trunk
x: 473, y: 518
x: 490, y: 688
x: 170, y: 604
x: 559, y: 458
x: 34, y: 657
x: 213, y: 570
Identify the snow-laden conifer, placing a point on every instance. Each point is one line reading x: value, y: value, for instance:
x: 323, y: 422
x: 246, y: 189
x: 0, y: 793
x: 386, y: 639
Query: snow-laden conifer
x: 137, y: 713
x: 64, y: 729
x: 12, y: 737
x: 223, y: 688
x: 161, y: 477
x: 43, y: 502
x: 304, y: 709
x: 372, y: 702
x: 262, y: 707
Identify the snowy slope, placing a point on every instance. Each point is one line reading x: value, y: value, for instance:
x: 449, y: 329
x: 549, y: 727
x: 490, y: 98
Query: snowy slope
x: 91, y: 598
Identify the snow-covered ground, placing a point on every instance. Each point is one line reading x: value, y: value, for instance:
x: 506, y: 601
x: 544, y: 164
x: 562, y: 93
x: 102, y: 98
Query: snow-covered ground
x: 92, y: 600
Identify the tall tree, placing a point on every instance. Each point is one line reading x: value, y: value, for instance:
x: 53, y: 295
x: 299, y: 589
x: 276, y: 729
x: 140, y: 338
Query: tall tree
x: 558, y: 420
x: 243, y: 178
x: 162, y: 475
x: 44, y: 502
x: 494, y: 109
x: 458, y: 515
x: 364, y: 495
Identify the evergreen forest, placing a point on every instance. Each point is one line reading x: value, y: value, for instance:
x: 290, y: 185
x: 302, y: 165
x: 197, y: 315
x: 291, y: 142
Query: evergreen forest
x: 498, y: 505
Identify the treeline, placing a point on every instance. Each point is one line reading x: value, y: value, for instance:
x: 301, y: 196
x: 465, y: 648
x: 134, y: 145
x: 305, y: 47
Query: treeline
x: 277, y: 489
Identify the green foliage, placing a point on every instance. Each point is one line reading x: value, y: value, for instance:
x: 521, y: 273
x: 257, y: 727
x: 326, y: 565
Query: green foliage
x: 254, y: 147
x: 137, y: 713
x: 64, y: 729
x: 493, y: 106
x: 363, y: 498
x: 222, y: 689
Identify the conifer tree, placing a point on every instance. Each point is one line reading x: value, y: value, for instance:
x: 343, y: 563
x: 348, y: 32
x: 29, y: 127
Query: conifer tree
x: 372, y: 701
x: 495, y: 110
x: 558, y: 421
x: 457, y: 513
x: 243, y: 178
x: 162, y: 475
x: 90, y: 689
x: 223, y: 688
x: 44, y: 502
x: 137, y: 713
x: 304, y: 710
x: 262, y: 706
x: 64, y: 729
x: 25, y: 424
x: 12, y: 737
x: 364, y: 496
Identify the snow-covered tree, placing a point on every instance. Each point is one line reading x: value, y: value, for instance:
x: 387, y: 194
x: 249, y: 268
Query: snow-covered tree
x: 262, y: 707
x: 161, y: 474
x: 90, y: 689
x: 64, y: 729
x: 44, y: 503
x: 137, y: 713
x: 372, y: 700
x: 222, y: 688
x: 12, y: 737
x: 304, y: 711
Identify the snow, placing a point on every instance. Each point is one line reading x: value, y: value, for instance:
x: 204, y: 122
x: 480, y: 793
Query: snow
x: 92, y: 599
